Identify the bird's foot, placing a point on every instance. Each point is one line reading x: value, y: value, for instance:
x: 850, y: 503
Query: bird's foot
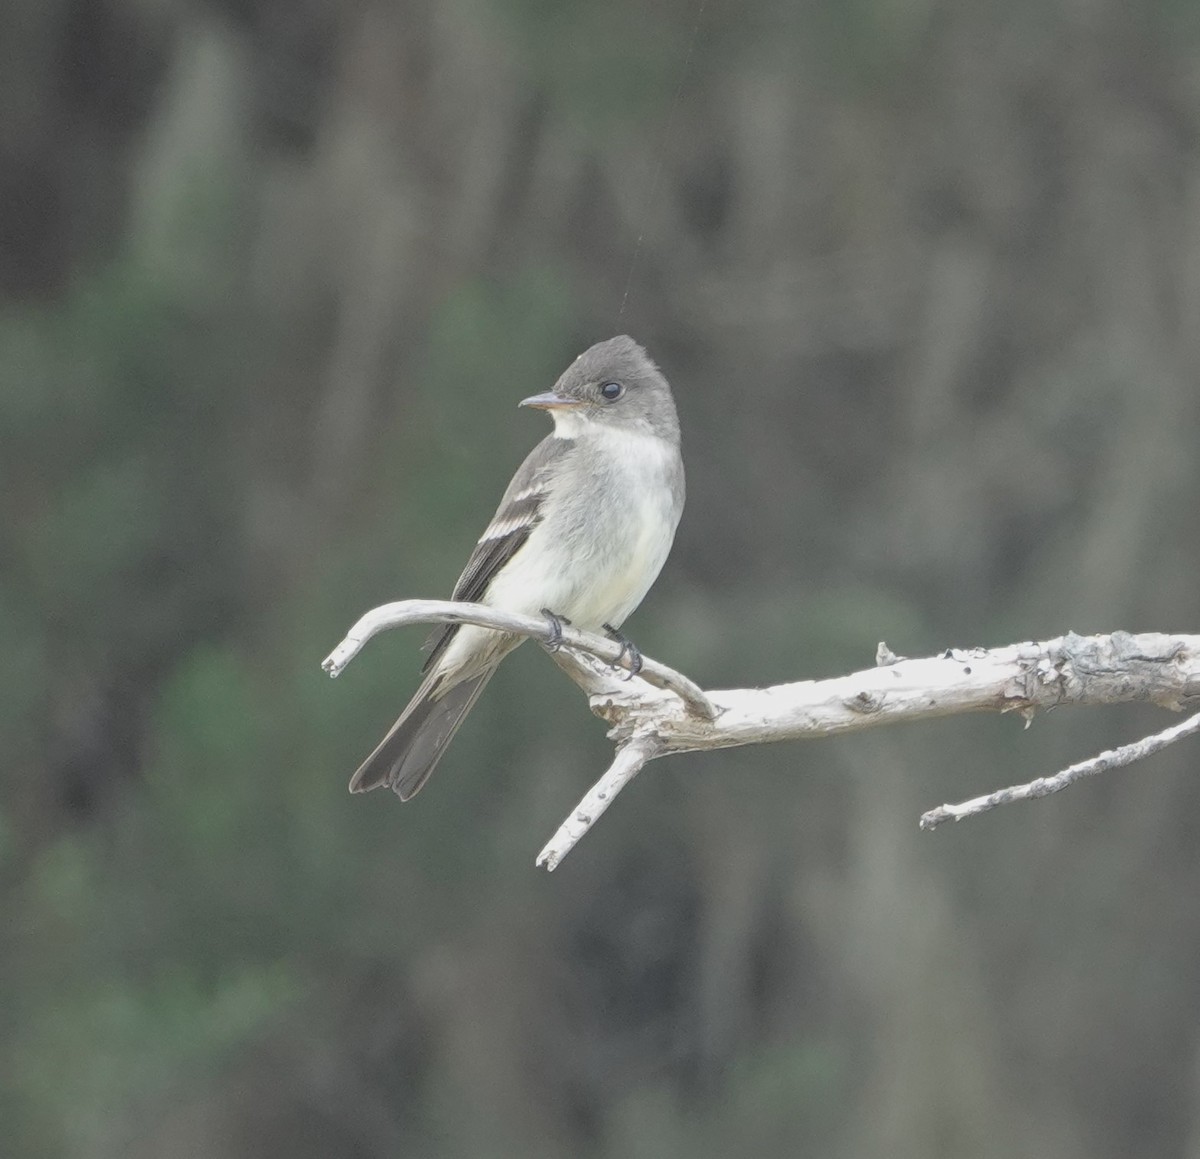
x: 555, y: 640
x: 628, y: 648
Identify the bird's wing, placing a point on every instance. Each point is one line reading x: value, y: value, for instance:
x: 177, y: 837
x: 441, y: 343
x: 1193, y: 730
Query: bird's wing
x: 520, y: 511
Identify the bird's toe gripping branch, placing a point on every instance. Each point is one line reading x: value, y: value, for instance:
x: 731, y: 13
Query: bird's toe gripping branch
x: 628, y: 649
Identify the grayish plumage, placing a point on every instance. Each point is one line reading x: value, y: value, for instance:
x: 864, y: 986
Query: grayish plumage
x: 583, y: 530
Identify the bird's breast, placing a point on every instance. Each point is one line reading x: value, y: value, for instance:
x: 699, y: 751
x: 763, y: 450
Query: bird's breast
x: 606, y: 533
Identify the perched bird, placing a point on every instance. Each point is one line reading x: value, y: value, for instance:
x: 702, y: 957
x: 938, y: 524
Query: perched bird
x: 581, y: 533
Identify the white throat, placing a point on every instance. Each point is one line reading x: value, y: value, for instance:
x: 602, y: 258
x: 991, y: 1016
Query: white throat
x: 570, y: 424
x: 574, y: 424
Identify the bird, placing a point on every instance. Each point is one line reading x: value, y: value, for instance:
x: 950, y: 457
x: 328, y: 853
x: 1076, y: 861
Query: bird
x: 581, y: 533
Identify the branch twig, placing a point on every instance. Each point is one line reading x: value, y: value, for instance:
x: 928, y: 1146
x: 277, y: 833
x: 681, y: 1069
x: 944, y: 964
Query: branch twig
x: 661, y: 711
x: 1044, y: 786
x: 630, y: 758
x: 403, y: 612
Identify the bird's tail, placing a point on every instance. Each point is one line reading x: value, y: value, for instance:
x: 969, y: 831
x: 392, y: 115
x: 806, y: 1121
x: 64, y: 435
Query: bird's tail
x: 413, y: 746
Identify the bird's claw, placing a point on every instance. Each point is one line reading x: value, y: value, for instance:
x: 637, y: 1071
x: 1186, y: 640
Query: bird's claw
x: 628, y: 648
x: 555, y: 640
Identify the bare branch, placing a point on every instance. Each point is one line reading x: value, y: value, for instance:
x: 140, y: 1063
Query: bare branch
x: 1044, y: 786
x: 631, y: 756
x: 661, y: 711
x: 404, y: 612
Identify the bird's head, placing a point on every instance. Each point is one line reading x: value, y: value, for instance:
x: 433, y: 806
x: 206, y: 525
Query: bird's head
x: 613, y: 384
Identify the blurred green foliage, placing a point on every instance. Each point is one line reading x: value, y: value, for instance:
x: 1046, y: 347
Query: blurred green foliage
x: 195, y: 912
x: 928, y: 387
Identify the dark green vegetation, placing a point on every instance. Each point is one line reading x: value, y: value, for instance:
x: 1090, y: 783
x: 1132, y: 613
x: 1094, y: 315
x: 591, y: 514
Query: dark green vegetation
x: 273, y: 279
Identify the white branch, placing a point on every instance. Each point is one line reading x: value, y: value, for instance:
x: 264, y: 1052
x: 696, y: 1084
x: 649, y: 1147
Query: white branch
x: 405, y: 612
x: 661, y: 711
x: 1044, y: 786
x: 630, y: 758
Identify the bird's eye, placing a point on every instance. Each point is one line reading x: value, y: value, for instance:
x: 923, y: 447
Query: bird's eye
x: 611, y: 391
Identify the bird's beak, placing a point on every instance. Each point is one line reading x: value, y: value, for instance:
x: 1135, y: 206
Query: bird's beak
x: 551, y: 401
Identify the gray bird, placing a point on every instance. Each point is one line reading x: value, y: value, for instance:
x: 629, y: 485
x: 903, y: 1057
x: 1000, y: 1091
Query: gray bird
x: 582, y: 532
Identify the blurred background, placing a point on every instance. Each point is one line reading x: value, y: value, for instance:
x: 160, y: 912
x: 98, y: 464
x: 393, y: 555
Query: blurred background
x: 273, y: 276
